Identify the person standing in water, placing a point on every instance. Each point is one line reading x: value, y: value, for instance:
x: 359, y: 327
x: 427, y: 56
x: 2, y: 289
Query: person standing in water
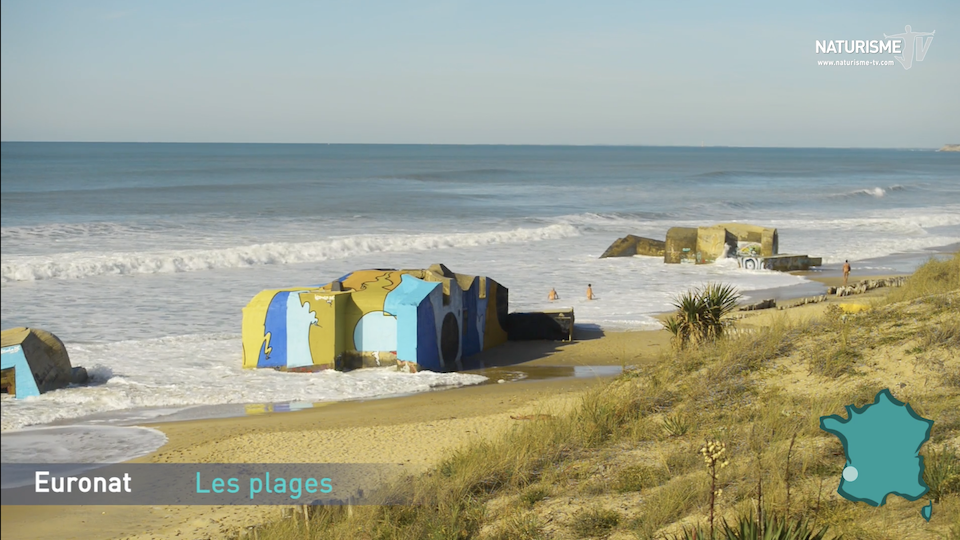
x: 589, y: 291
x: 553, y: 295
x: 846, y: 272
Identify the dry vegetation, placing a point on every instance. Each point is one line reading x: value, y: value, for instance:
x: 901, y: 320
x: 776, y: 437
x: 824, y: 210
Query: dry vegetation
x: 627, y: 463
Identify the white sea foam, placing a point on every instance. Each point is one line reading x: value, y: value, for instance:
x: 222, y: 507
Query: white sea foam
x: 902, y: 221
x: 175, y: 372
x: 870, y: 236
x: 899, y: 222
x: 85, y: 264
x: 181, y: 371
x: 857, y: 249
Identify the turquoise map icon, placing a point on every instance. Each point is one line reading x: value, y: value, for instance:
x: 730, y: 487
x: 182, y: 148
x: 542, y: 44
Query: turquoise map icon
x: 881, y: 441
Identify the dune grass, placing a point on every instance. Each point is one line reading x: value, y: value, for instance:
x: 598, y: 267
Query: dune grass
x: 626, y: 461
x: 933, y: 278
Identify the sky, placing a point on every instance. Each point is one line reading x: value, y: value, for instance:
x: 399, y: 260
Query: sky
x: 484, y: 72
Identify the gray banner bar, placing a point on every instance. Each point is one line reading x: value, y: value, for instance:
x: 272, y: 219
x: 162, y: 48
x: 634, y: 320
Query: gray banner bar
x: 206, y: 484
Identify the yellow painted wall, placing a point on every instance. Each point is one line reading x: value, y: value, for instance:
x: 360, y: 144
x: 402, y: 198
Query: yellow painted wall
x: 493, y: 333
x: 253, y: 326
x: 712, y: 242
x: 375, y: 284
x: 327, y: 340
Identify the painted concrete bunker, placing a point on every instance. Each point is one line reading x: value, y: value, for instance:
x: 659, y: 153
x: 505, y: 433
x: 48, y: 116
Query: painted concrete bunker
x: 419, y: 319
x: 34, y: 361
x: 753, y: 246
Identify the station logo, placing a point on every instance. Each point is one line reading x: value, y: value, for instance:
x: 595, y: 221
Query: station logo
x: 907, y: 47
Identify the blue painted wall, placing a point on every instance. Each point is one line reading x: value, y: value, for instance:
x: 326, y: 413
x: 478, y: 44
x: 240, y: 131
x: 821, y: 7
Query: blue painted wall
x: 428, y: 350
x: 405, y: 302
x: 13, y: 357
x: 276, y: 327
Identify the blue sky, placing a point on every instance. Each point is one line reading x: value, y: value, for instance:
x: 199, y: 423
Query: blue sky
x: 735, y: 73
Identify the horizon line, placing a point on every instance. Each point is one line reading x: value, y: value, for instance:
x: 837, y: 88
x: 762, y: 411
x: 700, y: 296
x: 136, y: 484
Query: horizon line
x: 585, y: 145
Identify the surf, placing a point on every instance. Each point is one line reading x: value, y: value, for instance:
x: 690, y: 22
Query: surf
x: 79, y: 265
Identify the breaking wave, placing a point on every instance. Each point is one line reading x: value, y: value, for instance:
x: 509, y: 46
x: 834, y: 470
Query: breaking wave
x: 80, y: 265
x: 915, y: 224
x: 876, y: 192
x: 611, y: 219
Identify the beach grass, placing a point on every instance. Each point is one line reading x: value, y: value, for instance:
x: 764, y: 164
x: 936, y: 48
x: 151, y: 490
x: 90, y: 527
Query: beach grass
x: 625, y: 462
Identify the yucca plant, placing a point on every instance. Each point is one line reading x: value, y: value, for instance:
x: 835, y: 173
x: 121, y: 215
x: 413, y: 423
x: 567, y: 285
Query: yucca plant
x: 773, y: 528
x: 700, y: 313
x: 686, y: 324
x: 747, y: 528
x: 719, y: 301
x: 675, y: 426
x: 679, y: 329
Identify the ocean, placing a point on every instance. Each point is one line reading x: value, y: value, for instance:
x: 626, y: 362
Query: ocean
x: 141, y: 256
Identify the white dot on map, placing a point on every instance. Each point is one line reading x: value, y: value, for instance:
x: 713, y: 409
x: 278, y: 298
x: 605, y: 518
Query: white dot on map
x: 850, y: 474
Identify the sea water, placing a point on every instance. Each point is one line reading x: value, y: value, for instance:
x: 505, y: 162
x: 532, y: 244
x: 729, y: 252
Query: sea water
x: 141, y: 256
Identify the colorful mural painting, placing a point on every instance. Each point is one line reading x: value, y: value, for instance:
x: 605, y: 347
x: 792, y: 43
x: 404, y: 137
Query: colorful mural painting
x: 750, y: 249
x: 421, y: 319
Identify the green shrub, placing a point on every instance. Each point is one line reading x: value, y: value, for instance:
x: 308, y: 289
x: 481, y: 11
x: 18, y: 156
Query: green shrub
x: 595, y: 521
x: 534, y: 494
